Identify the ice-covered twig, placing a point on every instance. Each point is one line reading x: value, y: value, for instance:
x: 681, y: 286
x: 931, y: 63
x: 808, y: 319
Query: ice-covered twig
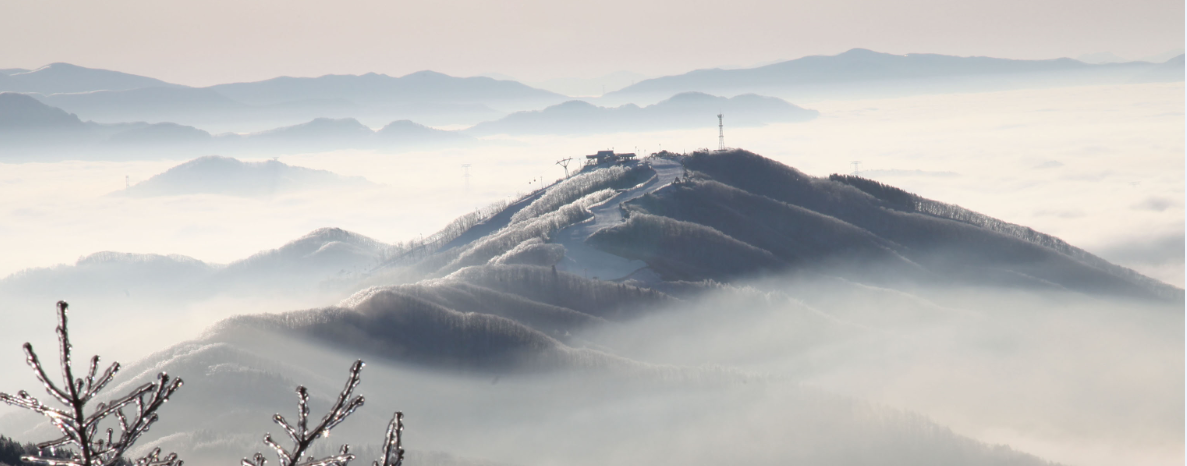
x: 303, y: 437
x: 393, y: 448
x: 81, y: 430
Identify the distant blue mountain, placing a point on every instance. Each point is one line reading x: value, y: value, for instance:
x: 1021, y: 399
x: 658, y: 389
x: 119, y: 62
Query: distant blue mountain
x: 405, y: 130
x: 861, y: 67
x: 1170, y: 70
x: 33, y: 130
x: 160, y: 133
x: 379, y: 89
x: 214, y: 174
x: 341, y: 133
x: 320, y: 129
x: 64, y: 78
x: 158, y: 104
x: 685, y: 110
x: 109, y: 97
x: 22, y: 113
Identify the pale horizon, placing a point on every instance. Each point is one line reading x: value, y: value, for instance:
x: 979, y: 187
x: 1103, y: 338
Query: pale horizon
x: 206, y: 43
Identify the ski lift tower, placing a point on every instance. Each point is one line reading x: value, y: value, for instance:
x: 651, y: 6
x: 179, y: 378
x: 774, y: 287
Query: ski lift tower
x: 564, y: 163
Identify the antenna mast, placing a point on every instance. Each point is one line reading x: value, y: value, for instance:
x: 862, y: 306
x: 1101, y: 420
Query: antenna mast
x: 466, y: 174
x: 856, y: 165
x: 720, y: 132
x: 564, y: 163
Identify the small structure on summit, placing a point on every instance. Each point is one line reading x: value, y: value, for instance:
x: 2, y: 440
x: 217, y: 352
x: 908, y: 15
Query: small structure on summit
x: 608, y: 157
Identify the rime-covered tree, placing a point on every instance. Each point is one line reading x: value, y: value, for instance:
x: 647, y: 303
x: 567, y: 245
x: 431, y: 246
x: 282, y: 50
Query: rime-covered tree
x: 88, y: 447
x: 81, y: 430
x: 303, y: 436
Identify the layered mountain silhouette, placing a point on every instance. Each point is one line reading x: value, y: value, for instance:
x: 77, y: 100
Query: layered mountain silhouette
x: 433, y: 98
x: 31, y: 129
x: 109, y: 97
x: 685, y: 110
x: 21, y: 113
x: 57, y: 78
x: 1168, y: 71
x: 866, y: 72
x: 185, y: 105
x: 423, y: 86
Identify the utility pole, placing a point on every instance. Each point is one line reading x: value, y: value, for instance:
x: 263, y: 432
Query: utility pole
x: 856, y: 165
x: 720, y: 132
x: 564, y: 163
x: 466, y: 175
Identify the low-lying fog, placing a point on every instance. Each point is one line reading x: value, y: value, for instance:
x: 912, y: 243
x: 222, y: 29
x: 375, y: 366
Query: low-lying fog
x: 785, y: 369
x: 1067, y: 378
x: 1099, y: 166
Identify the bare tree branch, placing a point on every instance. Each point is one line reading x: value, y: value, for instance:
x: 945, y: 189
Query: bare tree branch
x: 80, y: 430
x: 300, y: 434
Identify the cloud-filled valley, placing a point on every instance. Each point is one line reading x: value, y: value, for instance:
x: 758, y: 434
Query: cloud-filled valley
x: 915, y: 259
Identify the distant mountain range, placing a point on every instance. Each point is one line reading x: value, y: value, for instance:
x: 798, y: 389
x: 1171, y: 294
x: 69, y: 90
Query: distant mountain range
x: 372, y: 88
x: 58, y: 78
x: 861, y: 72
x: 685, y: 110
x: 438, y: 99
x: 32, y: 130
x: 110, y: 96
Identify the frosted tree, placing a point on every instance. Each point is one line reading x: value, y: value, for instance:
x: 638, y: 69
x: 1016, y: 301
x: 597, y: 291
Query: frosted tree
x: 81, y: 430
x: 303, y: 437
x: 88, y: 447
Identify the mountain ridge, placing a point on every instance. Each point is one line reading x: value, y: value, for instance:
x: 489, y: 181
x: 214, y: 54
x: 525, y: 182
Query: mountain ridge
x: 683, y: 110
x: 815, y: 74
x: 57, y: 78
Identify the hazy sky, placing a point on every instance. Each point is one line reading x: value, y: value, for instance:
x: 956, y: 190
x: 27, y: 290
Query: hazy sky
x: 211, y: 41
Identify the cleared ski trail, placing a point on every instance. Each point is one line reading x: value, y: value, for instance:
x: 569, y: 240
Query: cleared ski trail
x: 580, y: 258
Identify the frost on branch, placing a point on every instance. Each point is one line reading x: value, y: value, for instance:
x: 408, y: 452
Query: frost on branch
x: 393, y: 448
x: 303, y: 437
x: 80, y: 430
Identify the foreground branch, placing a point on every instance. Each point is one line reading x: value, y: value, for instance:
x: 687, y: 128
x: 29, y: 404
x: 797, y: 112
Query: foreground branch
x: 81, y: 430
x: 303, y: 437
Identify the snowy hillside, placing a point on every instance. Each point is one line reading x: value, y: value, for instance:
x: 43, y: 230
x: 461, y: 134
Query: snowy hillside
x: 719, y: 298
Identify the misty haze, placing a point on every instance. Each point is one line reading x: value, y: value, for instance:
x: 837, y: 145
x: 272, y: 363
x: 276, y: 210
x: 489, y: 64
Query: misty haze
x: 753, y: 234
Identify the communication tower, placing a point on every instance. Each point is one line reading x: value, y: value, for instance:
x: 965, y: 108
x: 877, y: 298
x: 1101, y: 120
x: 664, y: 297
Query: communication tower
x: 466, y: 175
x: 856, y: 165
x: 720, y: 132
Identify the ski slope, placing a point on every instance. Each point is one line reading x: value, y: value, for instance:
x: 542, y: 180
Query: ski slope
x: 580, y: 258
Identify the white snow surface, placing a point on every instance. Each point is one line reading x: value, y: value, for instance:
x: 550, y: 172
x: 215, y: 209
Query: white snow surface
x: 580, y: 258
